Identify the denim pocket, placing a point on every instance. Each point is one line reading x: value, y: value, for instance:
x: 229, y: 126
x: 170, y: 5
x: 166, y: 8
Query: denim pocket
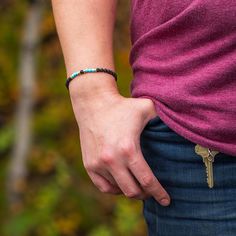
x: 156, y: 129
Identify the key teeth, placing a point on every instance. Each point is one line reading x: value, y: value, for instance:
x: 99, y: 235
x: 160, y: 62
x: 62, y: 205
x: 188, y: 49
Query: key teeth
x: 211, y: 186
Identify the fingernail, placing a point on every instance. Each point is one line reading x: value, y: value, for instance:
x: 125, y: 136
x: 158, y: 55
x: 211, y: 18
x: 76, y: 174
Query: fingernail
x: 165, y: 202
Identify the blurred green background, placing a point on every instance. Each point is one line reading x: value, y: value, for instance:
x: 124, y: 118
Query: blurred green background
x: 45, y: 190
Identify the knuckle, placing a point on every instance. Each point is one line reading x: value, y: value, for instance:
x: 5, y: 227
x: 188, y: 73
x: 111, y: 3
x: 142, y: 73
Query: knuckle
x: 92, y: 166
x: 127, y: 148
x: 105, y: 189
x: 133, y: 161
x: 147, y: 181
x: 88, y: 167
x: 132, y: 194
x: 107, y: 158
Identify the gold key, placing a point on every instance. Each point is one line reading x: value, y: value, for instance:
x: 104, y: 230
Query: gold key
x: 208, y: 159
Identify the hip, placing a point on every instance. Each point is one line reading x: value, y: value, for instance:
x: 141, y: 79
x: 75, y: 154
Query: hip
x: 195, y: 209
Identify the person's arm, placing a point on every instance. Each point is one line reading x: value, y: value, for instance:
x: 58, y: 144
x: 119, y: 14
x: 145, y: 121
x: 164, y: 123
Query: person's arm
x: 109, y: 124
x: 85, y: 30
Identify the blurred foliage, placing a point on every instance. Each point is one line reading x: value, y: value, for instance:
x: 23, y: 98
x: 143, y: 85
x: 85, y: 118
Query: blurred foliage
x: 59, y: 198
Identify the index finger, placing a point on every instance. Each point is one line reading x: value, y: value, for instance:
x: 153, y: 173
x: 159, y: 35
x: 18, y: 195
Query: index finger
x: 148, y: 181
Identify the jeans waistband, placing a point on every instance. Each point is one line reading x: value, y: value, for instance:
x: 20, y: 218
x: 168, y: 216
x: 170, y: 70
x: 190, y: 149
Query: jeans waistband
x: 156, y: 128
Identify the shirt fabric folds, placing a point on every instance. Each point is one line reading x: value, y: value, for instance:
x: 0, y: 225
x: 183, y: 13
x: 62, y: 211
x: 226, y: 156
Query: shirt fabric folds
x: 183, y: 57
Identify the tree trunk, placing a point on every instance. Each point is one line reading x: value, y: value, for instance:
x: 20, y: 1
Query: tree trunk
x: 23, y: 132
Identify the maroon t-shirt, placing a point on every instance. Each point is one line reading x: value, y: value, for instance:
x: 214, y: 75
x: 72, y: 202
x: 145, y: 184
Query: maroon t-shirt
x: 183, y: 57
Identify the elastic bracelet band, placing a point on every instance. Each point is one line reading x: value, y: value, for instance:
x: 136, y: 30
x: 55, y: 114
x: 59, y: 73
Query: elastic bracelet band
x: 89, y: 70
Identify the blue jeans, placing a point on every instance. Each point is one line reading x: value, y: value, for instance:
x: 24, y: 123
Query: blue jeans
x: 195, y: 209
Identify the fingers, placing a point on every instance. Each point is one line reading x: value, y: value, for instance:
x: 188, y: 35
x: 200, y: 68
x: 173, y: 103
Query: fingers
x: 107, y: 176
x: 143, y: 173
x: 127, y: 183
x: 102, y: 184
x: 129, y: 174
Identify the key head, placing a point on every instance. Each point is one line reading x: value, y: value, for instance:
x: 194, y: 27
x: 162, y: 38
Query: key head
x: 211, y: 156
x: 212, y: 152
x: 202, y: 151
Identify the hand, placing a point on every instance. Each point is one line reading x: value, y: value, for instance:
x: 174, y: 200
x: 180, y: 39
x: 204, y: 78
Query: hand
x: 110, y: 126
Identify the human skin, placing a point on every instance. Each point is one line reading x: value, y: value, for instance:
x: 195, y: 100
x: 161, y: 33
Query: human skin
x: 109, y: 124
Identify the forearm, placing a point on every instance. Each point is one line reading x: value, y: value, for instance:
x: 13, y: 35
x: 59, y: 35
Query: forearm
x: 85, y: 30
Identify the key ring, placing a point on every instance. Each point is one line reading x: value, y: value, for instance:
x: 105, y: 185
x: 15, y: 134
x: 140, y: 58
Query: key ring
x: 210, y: 155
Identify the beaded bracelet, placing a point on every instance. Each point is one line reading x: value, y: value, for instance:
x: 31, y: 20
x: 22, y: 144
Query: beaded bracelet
x: 75, y: 74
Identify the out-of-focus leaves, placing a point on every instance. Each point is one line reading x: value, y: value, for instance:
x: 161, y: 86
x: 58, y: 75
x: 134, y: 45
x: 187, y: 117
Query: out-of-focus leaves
x: 59, y: 198
x: 102, y: 230
x: 6, y: 137
x: 20, y: 224
x: 127, y: 220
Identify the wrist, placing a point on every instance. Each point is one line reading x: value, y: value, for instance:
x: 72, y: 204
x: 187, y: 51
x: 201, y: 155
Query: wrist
x: 88, y: 106
x: 92, y: 85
